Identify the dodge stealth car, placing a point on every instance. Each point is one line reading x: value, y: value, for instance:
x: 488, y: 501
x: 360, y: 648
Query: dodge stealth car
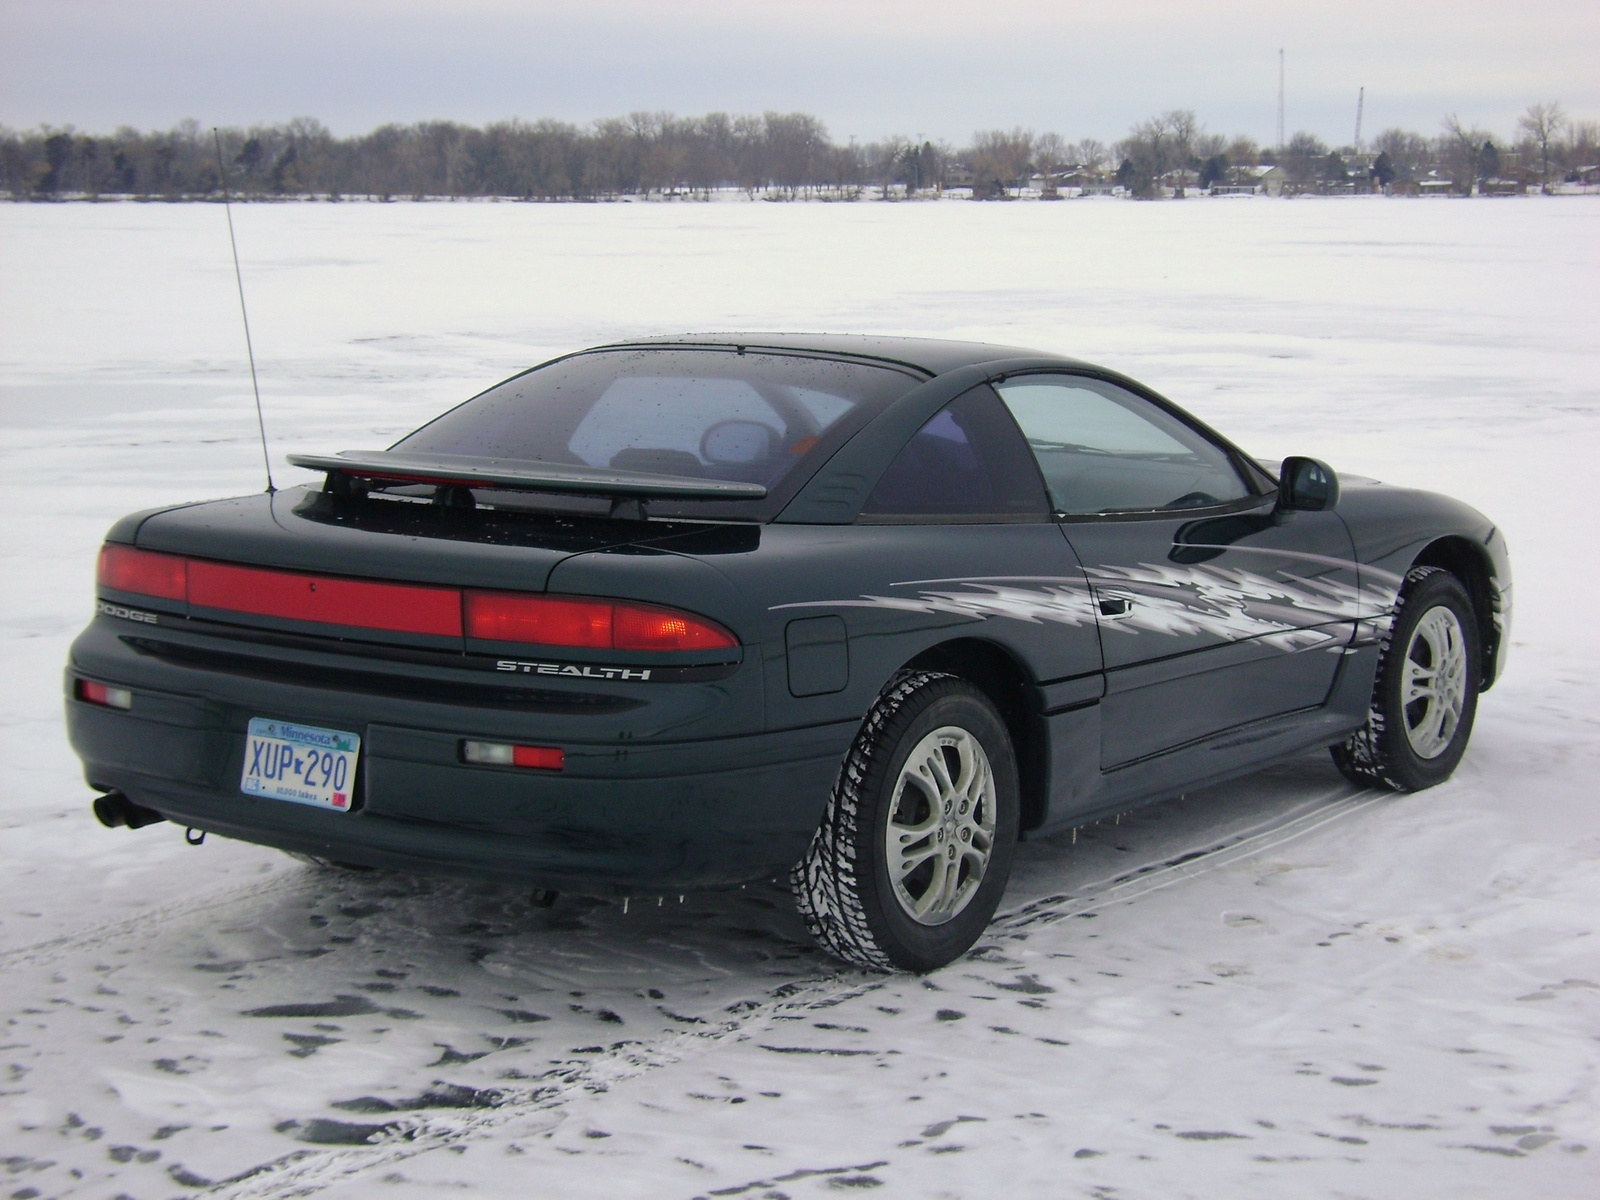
x: 686, y: 613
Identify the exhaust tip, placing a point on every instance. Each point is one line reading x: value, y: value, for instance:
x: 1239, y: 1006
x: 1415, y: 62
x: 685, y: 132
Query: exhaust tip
x: 114, y: 810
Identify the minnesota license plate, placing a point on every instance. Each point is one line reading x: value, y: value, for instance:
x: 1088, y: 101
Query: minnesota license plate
x: 301, y: 763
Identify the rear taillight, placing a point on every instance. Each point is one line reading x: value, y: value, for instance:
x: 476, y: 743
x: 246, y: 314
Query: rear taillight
x: 591, y: 624
x: 108, y: 697
x: 579, y: 622
x: 143, y: 572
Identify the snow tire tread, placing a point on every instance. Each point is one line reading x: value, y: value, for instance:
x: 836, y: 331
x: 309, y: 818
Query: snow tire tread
x: 826, y: 882
x: 1362, y: 758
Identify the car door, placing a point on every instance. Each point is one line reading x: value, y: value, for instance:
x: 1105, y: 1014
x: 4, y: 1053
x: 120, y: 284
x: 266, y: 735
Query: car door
x: 1214, y: 609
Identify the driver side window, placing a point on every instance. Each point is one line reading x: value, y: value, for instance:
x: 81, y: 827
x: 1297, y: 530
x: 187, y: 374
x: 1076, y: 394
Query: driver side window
x: 1103, y: 449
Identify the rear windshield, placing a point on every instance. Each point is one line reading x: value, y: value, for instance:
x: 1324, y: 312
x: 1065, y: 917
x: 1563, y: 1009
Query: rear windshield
x: 703, y: 413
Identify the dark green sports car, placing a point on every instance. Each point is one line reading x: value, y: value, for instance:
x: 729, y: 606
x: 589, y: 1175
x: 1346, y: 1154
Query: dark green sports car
x: 691, y: 612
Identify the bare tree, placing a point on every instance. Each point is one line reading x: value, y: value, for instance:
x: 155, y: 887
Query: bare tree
x: 1543, y: 124
x: 1051, y: 155
x: 1051, y: 152
x: 1461, y: 151
x: 1303, y: 159
x: 1408, y: 152
x: 889, y: 162
x: 1183, y: 128
x: 1583, y: 144
x: 1146, y: 155
x: 1091, y: 155
x: 796, y: 144
x: 1243, y: 151
x: 1000, y: 160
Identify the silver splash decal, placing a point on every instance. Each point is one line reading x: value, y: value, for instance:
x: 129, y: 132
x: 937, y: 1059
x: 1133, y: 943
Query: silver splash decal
x: 1177, y: 600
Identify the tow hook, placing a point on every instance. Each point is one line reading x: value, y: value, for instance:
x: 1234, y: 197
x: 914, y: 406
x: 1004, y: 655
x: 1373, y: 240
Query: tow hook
x: 114, y: 810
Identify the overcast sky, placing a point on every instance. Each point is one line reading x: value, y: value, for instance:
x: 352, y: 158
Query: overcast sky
x: 934, y: 68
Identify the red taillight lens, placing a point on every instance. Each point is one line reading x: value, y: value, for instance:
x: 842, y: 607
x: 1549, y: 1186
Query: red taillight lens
x: 404, y: 608
x: 590, y: 624
x: 143, y: 572
x: 637, y: 627
x: 507, y: 617
x: 102, y: 694
x: 545, y: 758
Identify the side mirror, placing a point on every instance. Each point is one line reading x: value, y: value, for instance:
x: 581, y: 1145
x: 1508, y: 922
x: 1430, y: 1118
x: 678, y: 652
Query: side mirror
x: 1307, y: 485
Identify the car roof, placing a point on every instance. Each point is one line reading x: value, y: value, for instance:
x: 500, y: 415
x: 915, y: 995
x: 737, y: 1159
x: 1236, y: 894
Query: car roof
x: 932, y: 356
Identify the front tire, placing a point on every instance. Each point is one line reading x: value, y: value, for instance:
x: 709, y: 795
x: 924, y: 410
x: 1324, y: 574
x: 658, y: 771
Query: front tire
x: 913, y: 853
x: 1426, y: 693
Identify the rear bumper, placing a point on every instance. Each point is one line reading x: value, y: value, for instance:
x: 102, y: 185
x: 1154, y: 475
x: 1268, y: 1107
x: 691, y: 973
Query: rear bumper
x: 626, y: 815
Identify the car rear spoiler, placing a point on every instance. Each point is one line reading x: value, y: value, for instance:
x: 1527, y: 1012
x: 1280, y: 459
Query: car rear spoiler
x: 468, y: 472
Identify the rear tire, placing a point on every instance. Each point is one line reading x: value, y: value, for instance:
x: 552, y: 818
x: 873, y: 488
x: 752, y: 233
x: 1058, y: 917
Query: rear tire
x: 913, y: 853
x: 1426, y: 694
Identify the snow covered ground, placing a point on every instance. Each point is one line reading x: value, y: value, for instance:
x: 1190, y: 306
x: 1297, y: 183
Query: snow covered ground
x: 1278, y: 988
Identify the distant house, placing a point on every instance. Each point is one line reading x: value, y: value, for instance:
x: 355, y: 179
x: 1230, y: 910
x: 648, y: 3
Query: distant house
x: 1250, y: 181
x: 1180, y: 177
x: 956, y: 175
x: 1358, y: 162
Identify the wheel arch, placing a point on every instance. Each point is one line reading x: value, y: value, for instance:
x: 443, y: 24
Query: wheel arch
x: 1000, y: 675
x: 1470, y: 562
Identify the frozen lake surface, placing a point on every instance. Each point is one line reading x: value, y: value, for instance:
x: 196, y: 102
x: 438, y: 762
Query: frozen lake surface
x: 1279, y: 987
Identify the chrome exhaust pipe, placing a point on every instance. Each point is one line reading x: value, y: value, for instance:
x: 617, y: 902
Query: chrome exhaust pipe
x: 114, y: 810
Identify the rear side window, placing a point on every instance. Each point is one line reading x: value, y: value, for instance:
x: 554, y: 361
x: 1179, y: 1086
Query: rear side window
x: 705, y: 413
x: 968, y: 462
x: 1103, y: 449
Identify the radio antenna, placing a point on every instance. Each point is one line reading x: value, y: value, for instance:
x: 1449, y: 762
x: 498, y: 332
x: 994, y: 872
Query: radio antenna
x: 238, y: 277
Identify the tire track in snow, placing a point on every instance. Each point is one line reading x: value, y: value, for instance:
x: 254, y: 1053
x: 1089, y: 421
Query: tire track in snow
x: 38, y: 953
x: 1126, y: 886
x: 305, y: 1172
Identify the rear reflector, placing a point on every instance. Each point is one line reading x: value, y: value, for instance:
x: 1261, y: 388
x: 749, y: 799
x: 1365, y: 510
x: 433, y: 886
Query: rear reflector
x: 404, y: 608
x: 589, y: 623
x: 99, y: 693
x: 148, y: 574
x: 503, y: 754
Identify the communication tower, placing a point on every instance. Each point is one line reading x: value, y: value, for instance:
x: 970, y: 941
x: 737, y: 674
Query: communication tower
x: 1280, y: 99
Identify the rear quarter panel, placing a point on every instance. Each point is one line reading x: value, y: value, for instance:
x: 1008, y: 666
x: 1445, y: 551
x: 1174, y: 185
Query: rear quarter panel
x: 883, y: 582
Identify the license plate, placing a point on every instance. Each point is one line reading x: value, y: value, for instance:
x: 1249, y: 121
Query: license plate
x: 301, y: 763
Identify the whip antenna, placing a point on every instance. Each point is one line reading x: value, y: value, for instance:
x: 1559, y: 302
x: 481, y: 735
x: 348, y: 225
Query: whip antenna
x: 238, y: 277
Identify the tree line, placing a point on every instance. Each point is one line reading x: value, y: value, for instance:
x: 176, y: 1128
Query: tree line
x: 773, y: 155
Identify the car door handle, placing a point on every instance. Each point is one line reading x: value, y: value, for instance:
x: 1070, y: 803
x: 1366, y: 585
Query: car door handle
x: 1116, y: 606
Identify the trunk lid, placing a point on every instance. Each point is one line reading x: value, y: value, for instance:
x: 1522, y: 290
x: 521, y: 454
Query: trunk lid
x: 302, y: 529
